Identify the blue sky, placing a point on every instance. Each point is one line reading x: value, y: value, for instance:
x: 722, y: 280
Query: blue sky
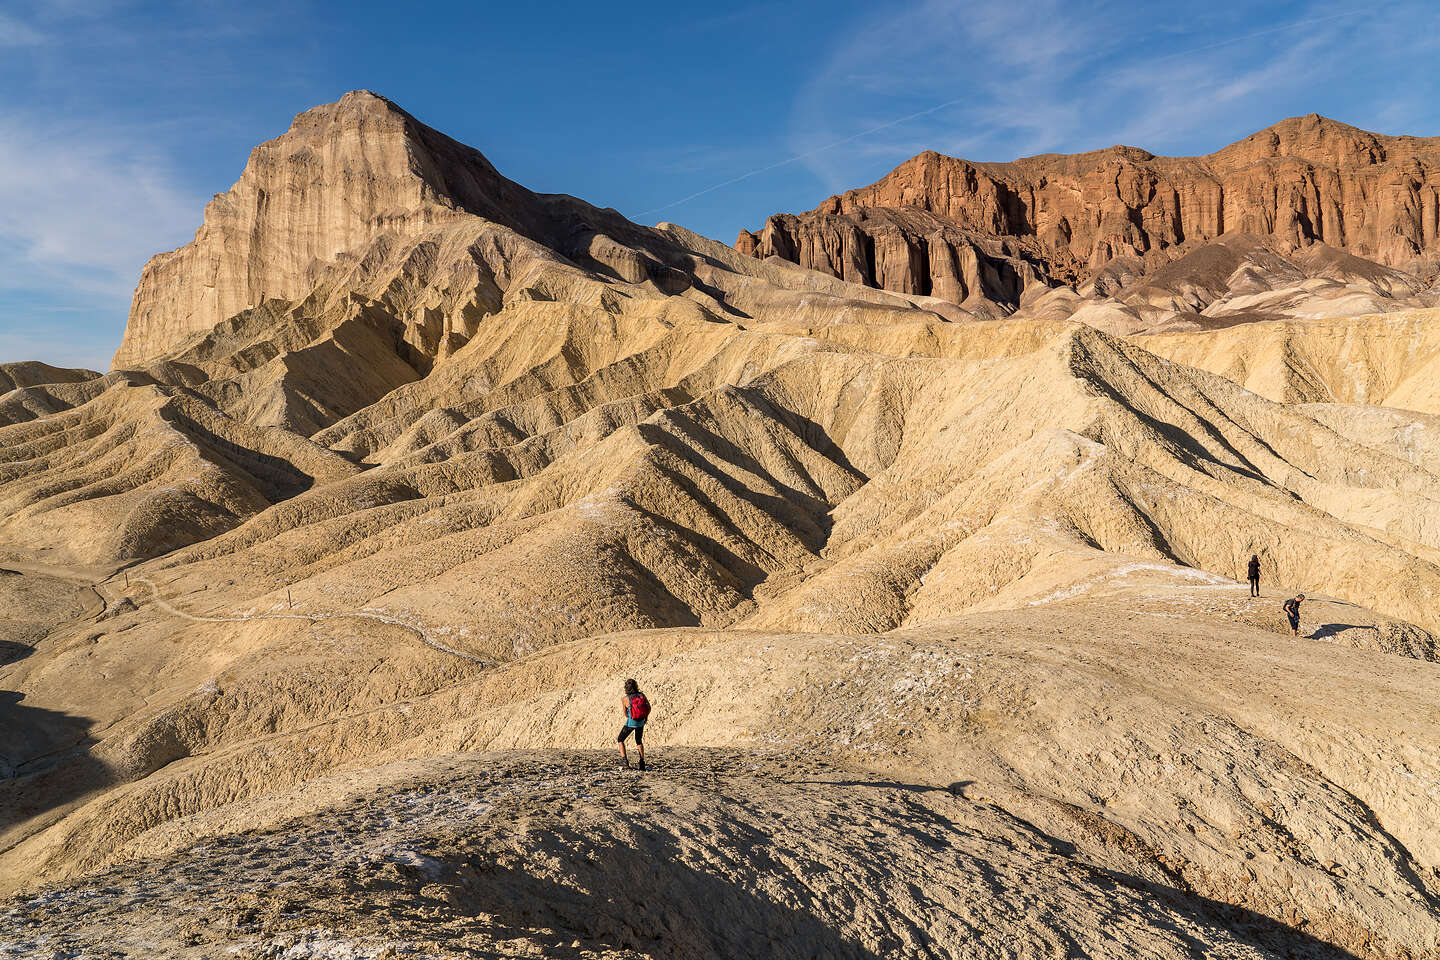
x: 119, y: 119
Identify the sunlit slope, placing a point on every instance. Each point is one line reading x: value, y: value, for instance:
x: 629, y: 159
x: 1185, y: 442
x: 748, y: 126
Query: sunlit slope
x: 776, y: 469
x: 1386, y: 359
x: 1178, y: 758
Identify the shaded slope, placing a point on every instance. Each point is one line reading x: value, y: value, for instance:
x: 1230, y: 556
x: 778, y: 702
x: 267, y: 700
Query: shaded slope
x: 755, y: 857
x: 15, y: 376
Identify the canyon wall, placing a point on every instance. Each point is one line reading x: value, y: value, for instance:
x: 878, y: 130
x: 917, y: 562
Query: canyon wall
x: 1304, y: 180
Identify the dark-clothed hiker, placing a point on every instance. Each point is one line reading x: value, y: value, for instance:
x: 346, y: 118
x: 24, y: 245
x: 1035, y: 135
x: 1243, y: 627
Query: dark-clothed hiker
x: 637, y: 710
x: 1292, y: 613
x: 1254, y: 574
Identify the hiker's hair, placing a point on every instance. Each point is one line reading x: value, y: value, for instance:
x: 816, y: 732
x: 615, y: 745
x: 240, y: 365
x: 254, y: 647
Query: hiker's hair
x: 631, y: 686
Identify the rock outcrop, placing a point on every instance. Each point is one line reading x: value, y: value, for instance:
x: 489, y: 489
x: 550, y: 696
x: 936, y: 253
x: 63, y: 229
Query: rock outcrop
x: 1305, y: 180
x: 313, y: 203
x: 908, y: 250
x: 343, y: 174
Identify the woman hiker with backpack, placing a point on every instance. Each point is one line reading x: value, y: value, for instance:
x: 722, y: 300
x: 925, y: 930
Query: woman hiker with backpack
x: 636, y: 709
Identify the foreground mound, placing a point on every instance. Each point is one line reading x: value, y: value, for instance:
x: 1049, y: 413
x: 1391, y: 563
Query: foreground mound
x: 714, y: 854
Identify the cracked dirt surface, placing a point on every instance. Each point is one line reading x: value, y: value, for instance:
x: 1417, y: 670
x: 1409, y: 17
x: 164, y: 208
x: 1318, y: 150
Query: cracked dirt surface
x: 715, y: 853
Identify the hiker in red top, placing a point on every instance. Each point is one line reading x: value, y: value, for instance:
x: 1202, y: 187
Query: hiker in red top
x: 637, y: 710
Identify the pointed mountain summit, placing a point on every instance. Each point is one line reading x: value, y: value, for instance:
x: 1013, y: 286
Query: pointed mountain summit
x: 343, y: 174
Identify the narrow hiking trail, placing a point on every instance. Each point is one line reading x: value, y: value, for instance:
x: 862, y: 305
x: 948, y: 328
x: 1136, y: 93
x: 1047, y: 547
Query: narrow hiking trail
x: 86, y: 582
x: 167, y: 607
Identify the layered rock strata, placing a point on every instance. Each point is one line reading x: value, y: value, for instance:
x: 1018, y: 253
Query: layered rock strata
x: 1302, y: 181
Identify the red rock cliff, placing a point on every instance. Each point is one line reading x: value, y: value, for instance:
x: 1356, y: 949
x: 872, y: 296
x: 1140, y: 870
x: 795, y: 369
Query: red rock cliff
x: 1304, y: 180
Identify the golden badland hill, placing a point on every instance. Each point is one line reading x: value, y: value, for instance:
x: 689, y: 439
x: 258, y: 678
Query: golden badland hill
x: 317, y: 605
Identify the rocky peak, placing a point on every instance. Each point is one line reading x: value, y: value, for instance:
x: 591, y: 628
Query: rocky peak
x: 1302, y: 181
x: 343, y: 174
x: 342, y: 177
x: 1320, y: 141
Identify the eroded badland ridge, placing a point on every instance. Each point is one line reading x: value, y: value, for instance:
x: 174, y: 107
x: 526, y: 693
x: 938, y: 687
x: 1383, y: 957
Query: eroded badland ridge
x: 316, y: 605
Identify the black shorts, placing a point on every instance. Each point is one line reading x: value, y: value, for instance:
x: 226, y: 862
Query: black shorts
x: 1294, y: 619
x: 626, y: 730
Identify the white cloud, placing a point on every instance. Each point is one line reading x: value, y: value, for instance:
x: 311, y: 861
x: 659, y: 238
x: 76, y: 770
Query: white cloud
x: 115, y: 111
x: 85, y: 206
x: 1033, y: 76
x: 82, y: 213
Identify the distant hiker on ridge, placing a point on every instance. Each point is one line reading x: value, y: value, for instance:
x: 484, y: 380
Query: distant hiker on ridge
x: 1254, y: 574
x: 1292, y: 613
x: 636, y: 709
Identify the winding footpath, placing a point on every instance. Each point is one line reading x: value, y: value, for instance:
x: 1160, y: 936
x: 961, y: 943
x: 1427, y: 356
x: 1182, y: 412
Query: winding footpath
x: 420, y: 632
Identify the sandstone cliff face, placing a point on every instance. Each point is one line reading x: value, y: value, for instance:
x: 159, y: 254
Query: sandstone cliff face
x: 341, y: 175
x: 344, y: 174
x: 1304, y: 180
x: 328, y: 202
x: 909, y: 251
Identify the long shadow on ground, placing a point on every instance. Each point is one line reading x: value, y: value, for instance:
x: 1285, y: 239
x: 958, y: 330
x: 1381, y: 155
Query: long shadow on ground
x: 44, y: 760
